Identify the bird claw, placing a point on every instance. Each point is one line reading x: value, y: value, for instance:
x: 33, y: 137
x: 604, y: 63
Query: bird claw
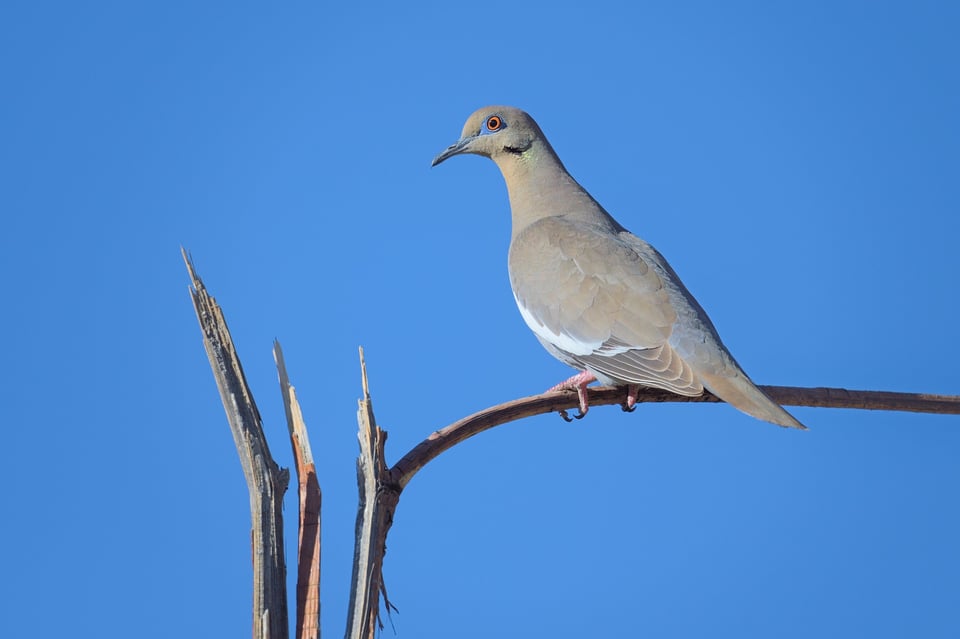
x: 629, y: 404
x: 566, y: 417
x: 576, y: 383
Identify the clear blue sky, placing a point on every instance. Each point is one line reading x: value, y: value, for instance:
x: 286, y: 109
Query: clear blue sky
x: 798, y: 164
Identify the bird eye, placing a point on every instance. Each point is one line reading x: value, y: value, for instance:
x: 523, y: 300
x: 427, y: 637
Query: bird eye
x: 494, y: 123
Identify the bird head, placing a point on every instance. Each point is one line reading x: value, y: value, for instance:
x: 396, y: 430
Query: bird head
x: 495, y: 132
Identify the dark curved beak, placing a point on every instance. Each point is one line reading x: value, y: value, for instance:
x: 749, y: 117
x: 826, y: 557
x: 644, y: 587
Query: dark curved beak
x: 458, y: 147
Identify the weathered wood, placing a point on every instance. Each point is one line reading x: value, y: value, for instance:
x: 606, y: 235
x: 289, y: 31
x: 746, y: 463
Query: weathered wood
x: 378, y: 501
x: 266, y: 481
x: 380, y: 487
x: 308, y: 541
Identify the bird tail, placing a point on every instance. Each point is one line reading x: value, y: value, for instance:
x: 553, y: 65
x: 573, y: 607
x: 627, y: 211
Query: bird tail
x: 742, y: 394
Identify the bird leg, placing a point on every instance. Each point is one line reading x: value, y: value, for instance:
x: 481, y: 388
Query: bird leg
x: 578, y: 383
x: 630, y: 403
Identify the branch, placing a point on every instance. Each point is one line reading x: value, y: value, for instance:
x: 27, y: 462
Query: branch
x: 380, y: 489
x: 866, y: 400
x: 378, y: 501
x: 308, y: 489
x: 266, y: 481
x: 445, y: 438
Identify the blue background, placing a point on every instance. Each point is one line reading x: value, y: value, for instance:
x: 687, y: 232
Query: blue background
x: 796, y: 162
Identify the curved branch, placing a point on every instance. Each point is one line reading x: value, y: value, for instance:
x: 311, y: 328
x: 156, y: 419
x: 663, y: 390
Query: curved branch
x: 386, y: 485
x: 445, y: 438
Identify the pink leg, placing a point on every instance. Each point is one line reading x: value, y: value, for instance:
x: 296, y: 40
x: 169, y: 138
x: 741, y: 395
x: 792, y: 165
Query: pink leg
x: 578, y: 383
x: 630, y: 404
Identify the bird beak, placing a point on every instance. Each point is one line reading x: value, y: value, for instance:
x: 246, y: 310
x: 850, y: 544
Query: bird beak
x: 460, y: 146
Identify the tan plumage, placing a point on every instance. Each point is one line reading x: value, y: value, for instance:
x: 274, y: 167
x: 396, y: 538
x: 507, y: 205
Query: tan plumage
x: 598, y: 297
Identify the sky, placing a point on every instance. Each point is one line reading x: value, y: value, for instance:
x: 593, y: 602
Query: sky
x: 796, y: 162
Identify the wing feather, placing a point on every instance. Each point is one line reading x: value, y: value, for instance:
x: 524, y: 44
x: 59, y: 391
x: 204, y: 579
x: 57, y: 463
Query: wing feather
x: 597, y: 304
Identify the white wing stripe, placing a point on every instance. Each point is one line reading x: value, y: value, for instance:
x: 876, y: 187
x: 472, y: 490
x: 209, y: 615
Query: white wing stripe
x: 562, y: 341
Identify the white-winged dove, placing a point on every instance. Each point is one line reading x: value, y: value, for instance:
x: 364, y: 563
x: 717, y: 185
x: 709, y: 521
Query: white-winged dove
x: 598, y: 297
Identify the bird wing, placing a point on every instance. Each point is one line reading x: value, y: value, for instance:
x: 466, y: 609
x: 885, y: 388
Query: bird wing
x: 598, y: 304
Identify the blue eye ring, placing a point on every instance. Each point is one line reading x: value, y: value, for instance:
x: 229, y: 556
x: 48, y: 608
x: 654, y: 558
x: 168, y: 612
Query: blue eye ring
x: 493, y: 124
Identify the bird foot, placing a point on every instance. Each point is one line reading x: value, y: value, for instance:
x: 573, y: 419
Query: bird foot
x: 630, y: 403
x: 578, y: 383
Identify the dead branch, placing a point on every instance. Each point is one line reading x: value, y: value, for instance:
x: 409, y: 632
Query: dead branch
x: 308, y: 489
x: 266, y: 481
x: 380, y: 487
x: 378, y: 501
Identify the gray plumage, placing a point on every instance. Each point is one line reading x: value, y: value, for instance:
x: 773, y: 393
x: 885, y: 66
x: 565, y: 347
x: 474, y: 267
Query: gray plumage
x: 598, y: 297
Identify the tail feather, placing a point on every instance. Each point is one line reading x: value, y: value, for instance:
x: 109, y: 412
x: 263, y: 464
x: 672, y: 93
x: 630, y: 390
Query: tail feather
x: 741, y: 393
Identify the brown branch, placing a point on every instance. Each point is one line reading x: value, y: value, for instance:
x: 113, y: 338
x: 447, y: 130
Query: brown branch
x: 382, y: 488
x: 308, y: 542
x: 443, y: 439
x: 378, y: 501
x: 266, y: 481
x: 865, y: 400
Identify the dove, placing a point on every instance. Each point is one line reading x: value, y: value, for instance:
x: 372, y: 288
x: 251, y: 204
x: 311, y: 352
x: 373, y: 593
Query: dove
x: 599, y: 298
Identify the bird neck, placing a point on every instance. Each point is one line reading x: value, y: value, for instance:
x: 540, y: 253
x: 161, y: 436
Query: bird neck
x: 539, y: 186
